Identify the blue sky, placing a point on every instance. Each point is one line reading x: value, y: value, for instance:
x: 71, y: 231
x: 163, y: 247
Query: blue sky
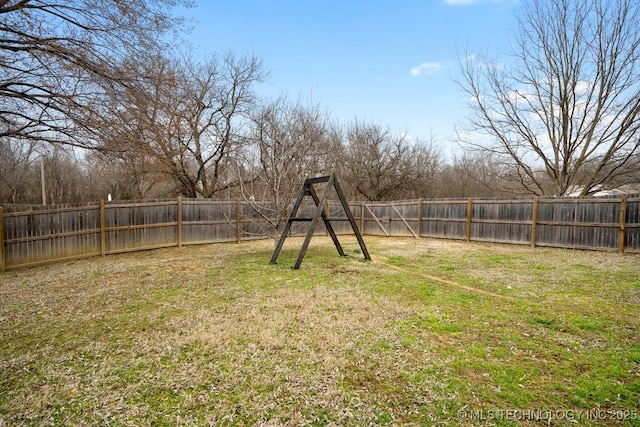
x: 388, y: 62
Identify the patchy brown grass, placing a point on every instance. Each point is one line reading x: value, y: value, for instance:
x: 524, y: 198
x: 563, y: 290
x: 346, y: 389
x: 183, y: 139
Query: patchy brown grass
x: 426, y: 333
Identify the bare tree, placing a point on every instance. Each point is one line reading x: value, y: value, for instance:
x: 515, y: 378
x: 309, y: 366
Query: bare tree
x: 566, y: 112
x: 124, y: 177
x: 220, y: 99
x: 288, y: 143
x: 381, y: 166
x: 183, y: 119
x: 473, y: 174
x: 64, y: 177
x: 53, y: 53
x: 34, y: 174
x: 16, y: 158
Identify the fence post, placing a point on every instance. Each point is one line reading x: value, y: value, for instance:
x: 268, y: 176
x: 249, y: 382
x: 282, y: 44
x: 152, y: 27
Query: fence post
x: 238, y: 221
x: 534, y: 221
x: 469, y: 204
x: 103, y: 237
x: 179, y: 231
x: 420, y: 217
x: 2, y: 262
x: 362, y: 218
x: 623, y: 222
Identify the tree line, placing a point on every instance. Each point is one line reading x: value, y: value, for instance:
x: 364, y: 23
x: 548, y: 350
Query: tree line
x: 100, y: 98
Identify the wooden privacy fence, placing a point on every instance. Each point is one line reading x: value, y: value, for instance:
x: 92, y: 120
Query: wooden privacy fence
x: 35, y: 235
x: 597, y: 223
x: 41, y: 234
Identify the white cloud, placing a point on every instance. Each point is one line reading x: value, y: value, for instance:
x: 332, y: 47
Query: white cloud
x: 426, y: 68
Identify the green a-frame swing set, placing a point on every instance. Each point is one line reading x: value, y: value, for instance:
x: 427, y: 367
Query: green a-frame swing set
x: 320, y: 214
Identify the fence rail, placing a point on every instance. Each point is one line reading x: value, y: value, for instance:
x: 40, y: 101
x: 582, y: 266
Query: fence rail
x: 32, y: 235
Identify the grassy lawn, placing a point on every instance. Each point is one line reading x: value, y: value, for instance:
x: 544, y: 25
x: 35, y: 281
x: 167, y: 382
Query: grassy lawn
x: 428, y: 333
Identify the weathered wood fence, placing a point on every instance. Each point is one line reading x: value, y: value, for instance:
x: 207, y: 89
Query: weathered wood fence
x: 598, y: 223
x: 32, y: 235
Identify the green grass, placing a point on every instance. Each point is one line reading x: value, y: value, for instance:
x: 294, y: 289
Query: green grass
x: 428, y: 333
